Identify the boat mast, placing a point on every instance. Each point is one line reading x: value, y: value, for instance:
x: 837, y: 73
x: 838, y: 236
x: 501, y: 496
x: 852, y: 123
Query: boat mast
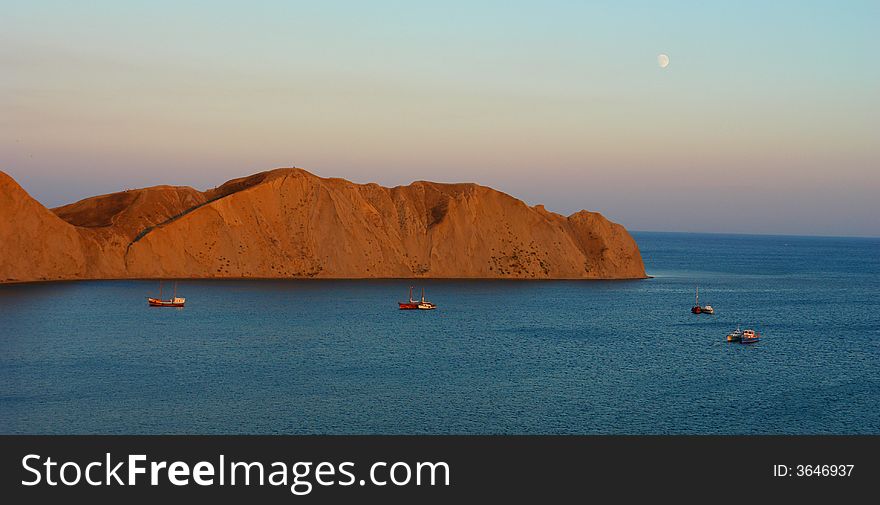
x: 423, y: 295
x: 698, y: 296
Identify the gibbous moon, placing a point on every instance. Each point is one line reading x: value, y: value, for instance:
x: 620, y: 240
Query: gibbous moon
x: 663, y: 60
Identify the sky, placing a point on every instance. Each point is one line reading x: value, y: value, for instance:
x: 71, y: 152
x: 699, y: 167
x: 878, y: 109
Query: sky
x: 765, y: 121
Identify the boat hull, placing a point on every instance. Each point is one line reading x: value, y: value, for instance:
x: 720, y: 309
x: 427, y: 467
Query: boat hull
x: 155, y: 302
x: 408, y: 306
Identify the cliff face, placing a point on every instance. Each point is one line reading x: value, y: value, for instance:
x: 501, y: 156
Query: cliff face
x: 35, y: 244
x: 289, y: 223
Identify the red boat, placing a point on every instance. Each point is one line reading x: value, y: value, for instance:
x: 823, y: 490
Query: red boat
x: 411, y: 304
x: 175, y: 301
x: 696, y: 309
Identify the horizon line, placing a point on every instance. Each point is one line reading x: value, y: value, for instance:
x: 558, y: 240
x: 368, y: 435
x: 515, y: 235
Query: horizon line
x: 752, y: 234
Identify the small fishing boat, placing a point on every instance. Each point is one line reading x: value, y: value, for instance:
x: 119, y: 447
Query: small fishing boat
x: 696, y: 309
x: 411, y: 304
x: 735, y: 335
x: 424, y: 304
x: 750, y: 337
x: 174, y: 301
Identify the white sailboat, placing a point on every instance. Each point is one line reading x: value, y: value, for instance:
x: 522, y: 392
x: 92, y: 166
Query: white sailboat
x: 425, y: 305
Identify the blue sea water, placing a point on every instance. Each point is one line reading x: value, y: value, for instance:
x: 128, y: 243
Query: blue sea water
x: 337, y: 357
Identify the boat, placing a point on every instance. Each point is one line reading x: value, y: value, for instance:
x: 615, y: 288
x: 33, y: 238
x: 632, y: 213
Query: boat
x: 750, y: 337
x: 696, y: 309
x: 743, y: 336
x: 424, y: 304
x: 411, y: 304
x: 735, y: 335
x: 174, y: 301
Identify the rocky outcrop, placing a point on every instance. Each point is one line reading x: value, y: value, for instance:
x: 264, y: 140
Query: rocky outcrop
x: 288, y: 223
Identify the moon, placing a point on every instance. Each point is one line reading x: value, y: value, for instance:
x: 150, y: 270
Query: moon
x: 663, y: 60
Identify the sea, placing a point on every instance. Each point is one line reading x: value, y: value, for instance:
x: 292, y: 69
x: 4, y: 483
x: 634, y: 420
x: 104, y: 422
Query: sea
x: 496, y: 357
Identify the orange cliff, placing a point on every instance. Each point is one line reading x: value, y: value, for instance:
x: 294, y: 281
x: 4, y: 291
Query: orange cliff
x: 289, y: 223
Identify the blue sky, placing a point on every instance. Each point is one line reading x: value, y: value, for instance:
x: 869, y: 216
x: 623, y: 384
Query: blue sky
x: 764, y: 122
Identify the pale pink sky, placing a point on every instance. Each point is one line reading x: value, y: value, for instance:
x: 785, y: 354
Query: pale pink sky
x: 764, y: 122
